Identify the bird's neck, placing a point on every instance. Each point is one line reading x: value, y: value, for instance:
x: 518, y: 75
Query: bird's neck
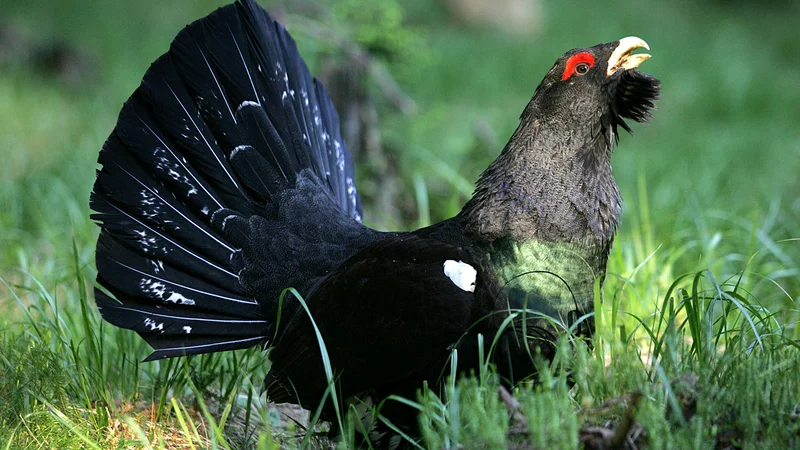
x: 551, y: 183
x: 544, y: 215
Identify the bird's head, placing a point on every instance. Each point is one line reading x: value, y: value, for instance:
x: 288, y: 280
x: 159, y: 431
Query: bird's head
x: 553, y: 179
x: 600, y: 83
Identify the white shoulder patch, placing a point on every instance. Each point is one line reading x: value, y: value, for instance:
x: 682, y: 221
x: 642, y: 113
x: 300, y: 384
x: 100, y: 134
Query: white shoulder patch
x: 461, y: 274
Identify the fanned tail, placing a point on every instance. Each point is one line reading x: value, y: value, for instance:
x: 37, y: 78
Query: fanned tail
x: 224, y: 121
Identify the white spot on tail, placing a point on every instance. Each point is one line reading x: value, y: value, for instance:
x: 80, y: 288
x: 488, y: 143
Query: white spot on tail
x: 158, y: 290
x: 247, y: 103
x: 145, y: 241
x: 148, y: 322
x: 173, y: 170
x: 179, y: 299
x: 152, y: 287
x: 351, y: 194
x: 225, y: 220
x: 461, y: 274
x: 236, y: 150
x: 157, y: 264
x: 187, y: 329
x: 147, y: 198
x: 339, y: 155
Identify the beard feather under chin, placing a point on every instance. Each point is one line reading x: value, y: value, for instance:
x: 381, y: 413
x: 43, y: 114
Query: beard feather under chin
x: 636, y: 95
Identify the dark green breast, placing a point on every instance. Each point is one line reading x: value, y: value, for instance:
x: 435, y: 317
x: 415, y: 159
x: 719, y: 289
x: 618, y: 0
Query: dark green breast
x: 552, y: 278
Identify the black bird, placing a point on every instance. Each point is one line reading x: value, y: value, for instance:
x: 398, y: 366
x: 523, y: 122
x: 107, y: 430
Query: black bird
x: 226, y: 180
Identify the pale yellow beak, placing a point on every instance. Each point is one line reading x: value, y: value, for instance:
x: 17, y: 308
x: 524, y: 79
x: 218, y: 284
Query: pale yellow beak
x: 622, y: 57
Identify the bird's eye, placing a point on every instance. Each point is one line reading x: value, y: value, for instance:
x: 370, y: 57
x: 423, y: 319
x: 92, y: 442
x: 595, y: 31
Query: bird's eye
x: 577, y: 64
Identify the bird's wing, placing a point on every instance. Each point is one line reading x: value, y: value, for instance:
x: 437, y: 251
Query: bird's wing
x: 389, y: 312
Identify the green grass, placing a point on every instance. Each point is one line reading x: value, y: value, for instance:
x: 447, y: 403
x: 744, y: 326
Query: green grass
x: 697, y: 340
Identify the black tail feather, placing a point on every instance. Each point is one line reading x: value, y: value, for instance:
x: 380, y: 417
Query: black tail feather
x: 140, y: 134
x: 255, y: 172
x: 254, y: 123
x: 131, y: 188
x: 224, y: 122
x: 155, y: 244
x: 166, y: 284
x: 170, y: 346
x: 174, y: 335
x: 146, y: 318
x: 164, y: 96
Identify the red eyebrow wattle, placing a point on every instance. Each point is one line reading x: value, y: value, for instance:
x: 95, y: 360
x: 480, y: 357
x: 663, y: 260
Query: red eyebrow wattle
x: 574, y: 60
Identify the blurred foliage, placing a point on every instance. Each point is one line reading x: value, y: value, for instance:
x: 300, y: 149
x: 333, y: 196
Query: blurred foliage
x: 379, y: 28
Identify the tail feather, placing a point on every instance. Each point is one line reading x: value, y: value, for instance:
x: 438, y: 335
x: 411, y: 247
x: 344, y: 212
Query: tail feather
x: 143, y: 317
x: 165, y: 284
x: 223, y: 124
x: 164, y: 96
x: 254, y: 123
x: 173, y: 335
x: 170, y: 346
x: 167, y: 306
x: 255, y: 172
x: 312, y: 124
x: 140, y: 133
x: 157, y: 245
x: 131, y: 188
x: 239, y: 60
